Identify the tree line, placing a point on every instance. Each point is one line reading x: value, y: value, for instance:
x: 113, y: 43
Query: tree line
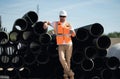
x: 113, y: 35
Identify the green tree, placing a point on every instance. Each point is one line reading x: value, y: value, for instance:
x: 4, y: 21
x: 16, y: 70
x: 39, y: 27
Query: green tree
x: 114, y: 35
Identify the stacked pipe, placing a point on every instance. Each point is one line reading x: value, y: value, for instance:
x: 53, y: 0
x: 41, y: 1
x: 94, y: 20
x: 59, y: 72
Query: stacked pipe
x: 28, y: 51
x: 89, y: 54
x: 23, y: 50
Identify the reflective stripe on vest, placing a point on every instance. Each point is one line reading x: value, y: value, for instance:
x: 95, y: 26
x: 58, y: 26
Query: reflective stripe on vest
x: 63, y: 35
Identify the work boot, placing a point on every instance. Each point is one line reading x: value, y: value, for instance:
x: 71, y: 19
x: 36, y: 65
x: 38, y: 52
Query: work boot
x: 71, y: 74
x: 65, y: 76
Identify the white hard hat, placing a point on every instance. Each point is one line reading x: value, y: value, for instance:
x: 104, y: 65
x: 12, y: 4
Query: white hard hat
x: 63, y: 13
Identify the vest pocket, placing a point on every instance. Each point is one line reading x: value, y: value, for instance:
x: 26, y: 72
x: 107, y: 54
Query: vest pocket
x: 60, y: 29
x: 59, y: 39
x: 67, y: 39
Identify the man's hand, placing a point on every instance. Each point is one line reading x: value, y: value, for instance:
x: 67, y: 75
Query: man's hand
x: 46, y: 24
x: 72, y: 32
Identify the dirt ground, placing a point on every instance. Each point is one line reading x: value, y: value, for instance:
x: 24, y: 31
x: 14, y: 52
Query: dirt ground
x: 114, y: 41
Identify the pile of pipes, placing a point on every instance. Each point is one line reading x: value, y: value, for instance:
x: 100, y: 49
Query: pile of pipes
x: 89, y: 59
x: 28, y: 51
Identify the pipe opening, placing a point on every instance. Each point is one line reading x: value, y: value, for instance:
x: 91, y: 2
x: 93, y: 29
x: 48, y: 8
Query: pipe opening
x: 77, y: 57
x: 4, y: 61
x: 24, y: 72
x: 20, y: 25
x: 90, y: 52
x: 99, y: 63
x: 3, y: 38
x: 38, y: 28
x: 17, y: 61
x: 11, y: 72
x: 43, y: 58
x: 82, y: 34
x: 31, y: 17
x: 45, y: 39
x: 29, y: 59
x: 10, y: 50
x: 106, y: 74
x: 35, y: 47
x: 87, y: 64
x: 97, y: 29
x: 113, y: 63
x: 103, y: 42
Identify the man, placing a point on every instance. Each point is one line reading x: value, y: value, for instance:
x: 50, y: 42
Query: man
x: 64, y: 32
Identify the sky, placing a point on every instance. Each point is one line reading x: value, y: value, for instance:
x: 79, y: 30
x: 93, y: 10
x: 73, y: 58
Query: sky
x: 80, y: 12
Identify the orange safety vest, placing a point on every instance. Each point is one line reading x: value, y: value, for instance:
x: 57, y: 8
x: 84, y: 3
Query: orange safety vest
x: 63, y: 35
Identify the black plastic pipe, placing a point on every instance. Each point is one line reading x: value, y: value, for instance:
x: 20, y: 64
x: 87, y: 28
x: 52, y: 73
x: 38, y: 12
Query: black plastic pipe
x: 15, y: 36
x: 43, y: 58
x: 112, y: 63
x: 99, y: 63
x: 4, y: 38
x: 31, y: 17
x: 87, y: 64
x: 20, y: 25
x: 45, y: 39
x: 81, y: 34
x: 17, y: 61
x: 90, y: 52
x: 29, y: 58
x: 101, y: 53
x: 28, y: 36
x: 35, y: 47
x: 38, y: 28
x: 4, y: 61
x: 11, y: 73
x: 77, y: 57
x: 102, y: 42
x: 106, y: 74
x: 24, y: 72
x: 95, y: 29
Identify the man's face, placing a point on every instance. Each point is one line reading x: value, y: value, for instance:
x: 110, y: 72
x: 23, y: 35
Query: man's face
x: 62, y: 18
